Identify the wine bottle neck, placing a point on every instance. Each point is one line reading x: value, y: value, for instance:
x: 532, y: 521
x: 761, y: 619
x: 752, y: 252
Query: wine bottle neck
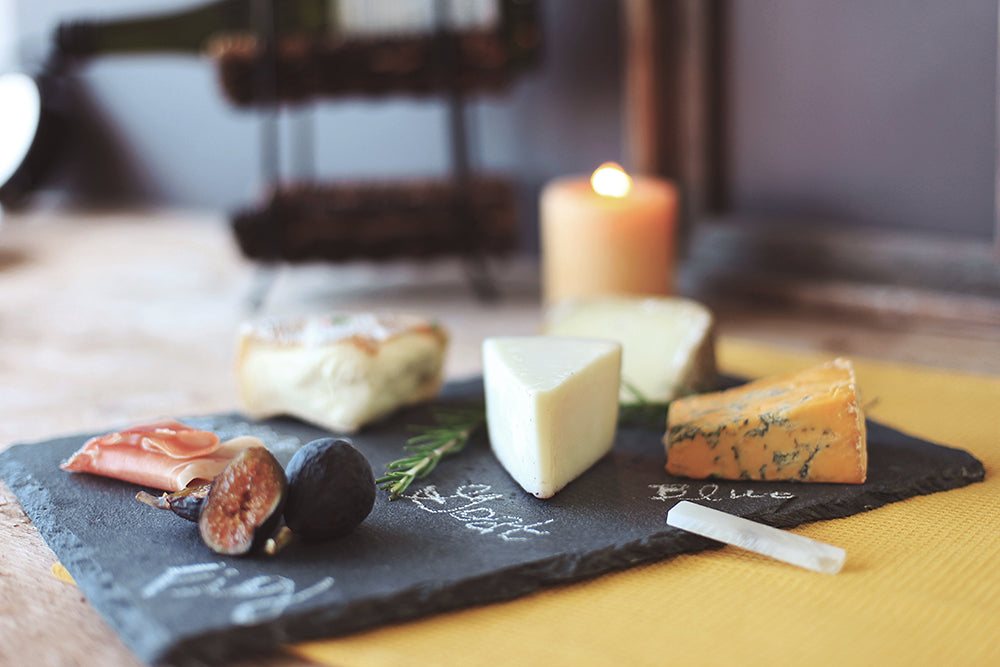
x: 185, y: 31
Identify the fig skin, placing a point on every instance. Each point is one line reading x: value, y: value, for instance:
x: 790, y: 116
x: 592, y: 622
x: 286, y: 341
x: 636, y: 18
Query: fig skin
x: 186, y: 503
x: 244, y: 504
x: 331, y: 490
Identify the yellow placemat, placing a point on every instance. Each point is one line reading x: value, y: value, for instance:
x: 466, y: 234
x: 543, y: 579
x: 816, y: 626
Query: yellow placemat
x: 921, y: 585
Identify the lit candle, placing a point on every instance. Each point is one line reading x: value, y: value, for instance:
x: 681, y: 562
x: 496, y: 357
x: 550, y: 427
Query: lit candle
x: 610, y: 234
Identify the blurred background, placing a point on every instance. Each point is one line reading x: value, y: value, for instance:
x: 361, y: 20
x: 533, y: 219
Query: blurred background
x: 810, y: 138
x: 882, y: 113
x: 156, y: 129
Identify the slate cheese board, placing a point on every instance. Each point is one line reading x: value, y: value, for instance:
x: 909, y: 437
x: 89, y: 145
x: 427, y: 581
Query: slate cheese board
x: 466, y: 535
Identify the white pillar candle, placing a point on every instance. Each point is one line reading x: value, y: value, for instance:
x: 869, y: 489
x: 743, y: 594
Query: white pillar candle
x: 609, y: 234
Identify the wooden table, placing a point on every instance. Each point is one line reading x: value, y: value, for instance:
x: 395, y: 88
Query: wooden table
x: 110, y: 319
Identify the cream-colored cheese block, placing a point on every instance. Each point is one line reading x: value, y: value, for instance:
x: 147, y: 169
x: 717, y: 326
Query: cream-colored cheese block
x: 668, y: 343
x: 551, y: 406
x: 339, y: 371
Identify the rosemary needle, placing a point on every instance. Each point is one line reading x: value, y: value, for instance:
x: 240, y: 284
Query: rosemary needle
x: 449, y: 436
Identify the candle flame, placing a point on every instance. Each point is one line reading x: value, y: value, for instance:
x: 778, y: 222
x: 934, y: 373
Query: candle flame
x: 610, y: 180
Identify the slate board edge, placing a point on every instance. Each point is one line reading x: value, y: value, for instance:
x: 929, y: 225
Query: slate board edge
x: 499, y: 586
x: 417, y: 602
x: 426, y: 599
x: 307, y: 625
x: 59, y: 539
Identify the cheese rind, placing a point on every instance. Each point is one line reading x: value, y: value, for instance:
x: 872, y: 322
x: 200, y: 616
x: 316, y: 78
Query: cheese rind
x: 339, y: 371
x: 807, y: 426
x: 551, y: 406
x: 668, y: 343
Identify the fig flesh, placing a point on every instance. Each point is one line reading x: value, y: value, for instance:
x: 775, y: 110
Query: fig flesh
x: 331, y: 490
x: 244, y: 504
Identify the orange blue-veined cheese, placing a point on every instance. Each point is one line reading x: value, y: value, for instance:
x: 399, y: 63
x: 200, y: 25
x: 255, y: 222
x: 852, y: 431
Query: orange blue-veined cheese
x: 806, y: 426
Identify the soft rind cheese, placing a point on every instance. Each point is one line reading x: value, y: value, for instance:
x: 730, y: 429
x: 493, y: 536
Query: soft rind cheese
x: 339, y: 371
x: 551, y: 406
x: 668, y: 343
x: 807, y: 426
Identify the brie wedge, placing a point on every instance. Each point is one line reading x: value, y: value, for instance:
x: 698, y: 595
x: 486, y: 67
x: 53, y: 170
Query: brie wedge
x: 551, y: 406
x: 339, y: 371
x: 668, y: 343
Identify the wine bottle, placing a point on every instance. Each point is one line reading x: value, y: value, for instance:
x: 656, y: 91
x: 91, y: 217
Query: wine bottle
x: 188, y: 30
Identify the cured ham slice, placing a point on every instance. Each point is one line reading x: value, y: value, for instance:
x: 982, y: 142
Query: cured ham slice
x: 165, y: 455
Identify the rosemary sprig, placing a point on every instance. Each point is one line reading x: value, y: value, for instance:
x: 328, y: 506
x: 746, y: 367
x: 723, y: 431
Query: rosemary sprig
x: 449, y: 436
x: 642, y: 411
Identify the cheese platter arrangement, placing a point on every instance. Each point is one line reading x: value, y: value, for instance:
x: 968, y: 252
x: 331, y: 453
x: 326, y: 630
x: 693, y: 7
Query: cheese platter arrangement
x: 318, y: 517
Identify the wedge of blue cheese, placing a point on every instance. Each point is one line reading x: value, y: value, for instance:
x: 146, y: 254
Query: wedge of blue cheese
x: 807, y: 426
x: 551, y: 406
x: 668, y: 343
x: 339, y: 371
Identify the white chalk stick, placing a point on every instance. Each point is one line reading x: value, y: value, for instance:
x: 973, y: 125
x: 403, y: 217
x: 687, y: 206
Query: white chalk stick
x: 756, y: 537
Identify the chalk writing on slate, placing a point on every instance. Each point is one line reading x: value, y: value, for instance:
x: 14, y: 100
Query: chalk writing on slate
x: 468, y: 506
x: 711, y: 492
x: 259, y: 598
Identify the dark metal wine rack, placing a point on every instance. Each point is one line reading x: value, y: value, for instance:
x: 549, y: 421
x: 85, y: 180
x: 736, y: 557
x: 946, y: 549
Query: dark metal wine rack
x: 466, y: 216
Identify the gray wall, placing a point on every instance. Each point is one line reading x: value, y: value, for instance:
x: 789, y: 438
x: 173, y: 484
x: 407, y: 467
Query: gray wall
x: 157, y: 129
x: 865, y: 112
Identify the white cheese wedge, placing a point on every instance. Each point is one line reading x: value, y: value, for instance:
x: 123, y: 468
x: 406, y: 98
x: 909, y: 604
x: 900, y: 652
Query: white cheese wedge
x: 551, y: 406
x: 668, y: 343
x: 339, y: 371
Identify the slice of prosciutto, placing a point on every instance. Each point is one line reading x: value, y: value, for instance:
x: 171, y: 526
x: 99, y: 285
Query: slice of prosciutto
x: 166, y: 455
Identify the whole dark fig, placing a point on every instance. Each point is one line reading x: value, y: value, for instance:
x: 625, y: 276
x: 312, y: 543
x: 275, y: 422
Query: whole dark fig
x: 331, y: 490
x: 244, y: 503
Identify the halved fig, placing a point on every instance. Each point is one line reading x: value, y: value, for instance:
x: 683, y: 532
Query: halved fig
x: 331, y: 490
x: 244, y: 504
